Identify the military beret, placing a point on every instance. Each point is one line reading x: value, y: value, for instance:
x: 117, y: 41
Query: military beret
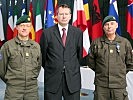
x: 23, y: 19
x: 107, y: 19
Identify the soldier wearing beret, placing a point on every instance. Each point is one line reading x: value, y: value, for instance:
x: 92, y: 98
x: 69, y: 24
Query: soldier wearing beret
x: 110, y: 57
x: 20, y: 63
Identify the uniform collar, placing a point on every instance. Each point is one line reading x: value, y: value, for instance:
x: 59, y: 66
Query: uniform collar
x: 18, y: 41
x: 116, y: 40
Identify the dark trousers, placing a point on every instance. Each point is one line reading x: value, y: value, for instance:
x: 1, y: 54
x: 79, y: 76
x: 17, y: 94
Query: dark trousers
x: 103, y: 93
x: 62, y: 92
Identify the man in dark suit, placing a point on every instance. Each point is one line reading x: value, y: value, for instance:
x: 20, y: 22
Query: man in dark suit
x: 61, y: 58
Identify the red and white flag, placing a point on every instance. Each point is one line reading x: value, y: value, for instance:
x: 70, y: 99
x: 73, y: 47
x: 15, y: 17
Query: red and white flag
x: 130, y: 18
x: 79, y: 20
x: 9, y: 34
x: 15, y: 31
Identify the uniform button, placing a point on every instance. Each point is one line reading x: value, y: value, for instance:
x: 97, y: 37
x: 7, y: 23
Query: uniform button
x: 64, y: 67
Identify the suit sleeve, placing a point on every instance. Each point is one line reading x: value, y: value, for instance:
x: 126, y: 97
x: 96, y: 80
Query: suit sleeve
x: 43, y: 45
x: 80, y: 47
x: 40, y: 58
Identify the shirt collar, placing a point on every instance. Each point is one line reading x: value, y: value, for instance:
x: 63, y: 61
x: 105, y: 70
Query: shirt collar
x: 60, y: 28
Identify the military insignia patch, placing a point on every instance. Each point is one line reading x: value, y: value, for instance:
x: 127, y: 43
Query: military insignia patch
x: 1, y: 56
x: 27, y: 54
x: 111, y: 51
x: 89, y: 51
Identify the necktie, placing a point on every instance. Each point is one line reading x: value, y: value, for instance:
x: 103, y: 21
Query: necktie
x: 64, y: 36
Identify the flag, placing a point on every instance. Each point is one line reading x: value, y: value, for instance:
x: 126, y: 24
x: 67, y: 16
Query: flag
x: 15, y: 32
x: 38, y: 24
x: 23, y: 8
x: 88, y: 18
x: 55, y: 13
x: 49, y: 20
x: 2, y: 37
x: 97, y: 30
x: 9, y: 34
x: 80, y: 20
x: 130, y: 18
x: 113, y: 10
x: 32, y: 32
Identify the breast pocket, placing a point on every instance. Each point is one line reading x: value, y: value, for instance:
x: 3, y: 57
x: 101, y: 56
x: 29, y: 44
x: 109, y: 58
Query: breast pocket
x: 35, y: 58
x: 15, y: 59
x: 101, y: 52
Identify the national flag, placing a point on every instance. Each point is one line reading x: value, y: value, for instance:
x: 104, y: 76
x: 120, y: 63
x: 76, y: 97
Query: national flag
x: 88, y: 18
x: 113, y: 10
x: 130, y: 18
x: 80, y: 20
x: 49, y: 20
x: 2, y: 37
x: 97, y: 30
x: 23, y: 8
x: 32, y: 32
x: 38, y: 24
x: 55, y: 11
x: 15, y: 32
x: 9, y: 34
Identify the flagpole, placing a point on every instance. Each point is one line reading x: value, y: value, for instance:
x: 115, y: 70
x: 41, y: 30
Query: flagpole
x: 2, y: 37
x: 23, y: 1
x: 15, y: 2
x: 10, y: 3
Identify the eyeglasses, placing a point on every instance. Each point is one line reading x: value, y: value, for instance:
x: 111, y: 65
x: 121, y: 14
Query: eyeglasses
x: 25, y: 25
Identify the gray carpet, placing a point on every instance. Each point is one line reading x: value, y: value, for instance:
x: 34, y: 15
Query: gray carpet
x: 85, y: 93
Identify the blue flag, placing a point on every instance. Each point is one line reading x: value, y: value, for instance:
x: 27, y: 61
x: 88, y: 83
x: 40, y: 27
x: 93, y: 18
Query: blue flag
x: 49, y: 20
x: 113, y: 10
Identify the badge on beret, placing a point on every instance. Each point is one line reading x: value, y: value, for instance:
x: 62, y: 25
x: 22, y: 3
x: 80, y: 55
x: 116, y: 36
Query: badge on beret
x: 28, y: 19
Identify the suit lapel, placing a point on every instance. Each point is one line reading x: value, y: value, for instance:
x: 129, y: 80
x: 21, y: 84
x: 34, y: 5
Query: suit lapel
x: 69, y: 35
x: 57, y: 34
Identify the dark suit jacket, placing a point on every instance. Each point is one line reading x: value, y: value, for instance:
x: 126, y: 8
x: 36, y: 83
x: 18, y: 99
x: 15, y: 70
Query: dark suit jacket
x: 55, y: 57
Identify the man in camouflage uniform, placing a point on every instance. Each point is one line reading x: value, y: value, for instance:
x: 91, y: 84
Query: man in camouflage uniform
x: 111, y: 57
x: 20, y: 63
